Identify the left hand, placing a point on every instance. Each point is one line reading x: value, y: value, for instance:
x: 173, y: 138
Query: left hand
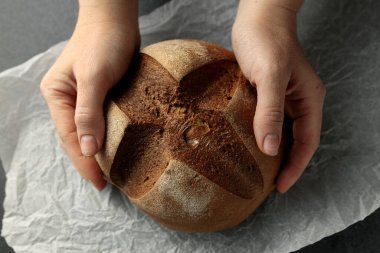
x: 265, y: 43
x: 96, y: 57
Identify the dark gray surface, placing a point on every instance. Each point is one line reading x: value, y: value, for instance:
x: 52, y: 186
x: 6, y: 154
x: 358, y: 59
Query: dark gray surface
x: 4, y: 248
x: 362, y: 237
x: 30, y: 27
x: 27, y: 29
x: 342, y: 19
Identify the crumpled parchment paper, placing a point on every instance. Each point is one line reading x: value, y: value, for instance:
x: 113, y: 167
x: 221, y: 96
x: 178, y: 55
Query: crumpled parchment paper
x: 49, y: 208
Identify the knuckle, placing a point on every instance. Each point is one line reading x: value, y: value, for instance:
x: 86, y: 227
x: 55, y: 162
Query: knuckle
x: 239, y: 33
x: 54, y: 86
x: 319, y: 88
x: 84, y: 117
x: 63, y: 143
x: 273, y: 115
x: 44, y: 86
x: 64, y: 139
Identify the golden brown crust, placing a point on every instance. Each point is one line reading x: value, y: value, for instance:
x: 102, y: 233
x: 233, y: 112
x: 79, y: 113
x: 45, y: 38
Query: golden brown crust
x: 192, y: 202
x: 116, y: 122
x: 182, y: 146
x: 180, y: 57
x: 240, y: 112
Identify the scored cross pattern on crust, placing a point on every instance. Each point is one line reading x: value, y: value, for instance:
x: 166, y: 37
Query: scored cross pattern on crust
x: 184, y: 113
x: 186, y: 122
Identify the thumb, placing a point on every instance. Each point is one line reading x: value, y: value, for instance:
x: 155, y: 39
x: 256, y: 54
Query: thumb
x: 269, y: 115
x: 89, y: 118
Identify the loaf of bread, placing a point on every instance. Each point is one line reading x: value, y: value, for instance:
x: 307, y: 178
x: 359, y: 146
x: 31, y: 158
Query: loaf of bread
x: 179, y: 138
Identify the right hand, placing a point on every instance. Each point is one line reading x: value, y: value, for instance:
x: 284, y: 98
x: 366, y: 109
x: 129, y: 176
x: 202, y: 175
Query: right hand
x: 266, y: 46
x: 96, y: 57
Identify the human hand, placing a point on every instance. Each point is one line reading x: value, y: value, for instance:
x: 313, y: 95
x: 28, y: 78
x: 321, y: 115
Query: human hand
x: 265, y: 43
x: 95, y: 58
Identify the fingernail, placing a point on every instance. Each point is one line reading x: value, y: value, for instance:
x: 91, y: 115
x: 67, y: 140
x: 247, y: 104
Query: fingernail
x: 271, y: 143
x: 88, y: 145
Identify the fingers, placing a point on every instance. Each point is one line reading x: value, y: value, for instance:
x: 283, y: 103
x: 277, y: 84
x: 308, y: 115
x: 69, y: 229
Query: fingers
x: 270, y: 57
x: 305, y: 107
x: 59, y: 92
x: 92, y: 87
x: 87, y: 167
x: 269, y: 114
x: 306, y: 131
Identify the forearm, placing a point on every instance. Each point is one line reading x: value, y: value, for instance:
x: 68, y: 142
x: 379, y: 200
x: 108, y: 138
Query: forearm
x: 275, y: 12
x: 292, y: 5
x: 109, y: 11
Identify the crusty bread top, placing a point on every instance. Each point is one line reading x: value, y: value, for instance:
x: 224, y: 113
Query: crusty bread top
x: 180, y: 57
x: 185, y: 102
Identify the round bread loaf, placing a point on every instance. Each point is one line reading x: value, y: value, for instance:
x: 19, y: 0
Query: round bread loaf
x: 179, y: 138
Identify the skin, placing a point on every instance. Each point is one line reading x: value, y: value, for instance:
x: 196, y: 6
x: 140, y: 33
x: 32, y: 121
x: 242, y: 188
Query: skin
x: 265, y: 43
x: 96, y: 57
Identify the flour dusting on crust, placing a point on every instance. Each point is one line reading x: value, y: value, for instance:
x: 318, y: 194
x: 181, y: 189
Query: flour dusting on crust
x: 181, y: 57
x: 181, y: 192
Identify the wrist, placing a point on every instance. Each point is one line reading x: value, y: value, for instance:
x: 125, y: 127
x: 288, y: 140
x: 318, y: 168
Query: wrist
x: 123, y: 12
x: 291, y: 5
x: 279, y: 13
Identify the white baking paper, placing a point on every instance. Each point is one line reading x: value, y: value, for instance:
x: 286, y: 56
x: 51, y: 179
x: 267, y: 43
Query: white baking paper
x: 49, y: 208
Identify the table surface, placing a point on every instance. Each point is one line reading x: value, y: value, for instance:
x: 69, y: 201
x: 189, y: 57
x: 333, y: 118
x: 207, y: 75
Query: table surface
x: 54, y: 23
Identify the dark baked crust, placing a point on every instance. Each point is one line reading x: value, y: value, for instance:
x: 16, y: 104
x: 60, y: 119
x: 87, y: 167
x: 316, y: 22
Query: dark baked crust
x: 187, y: 155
